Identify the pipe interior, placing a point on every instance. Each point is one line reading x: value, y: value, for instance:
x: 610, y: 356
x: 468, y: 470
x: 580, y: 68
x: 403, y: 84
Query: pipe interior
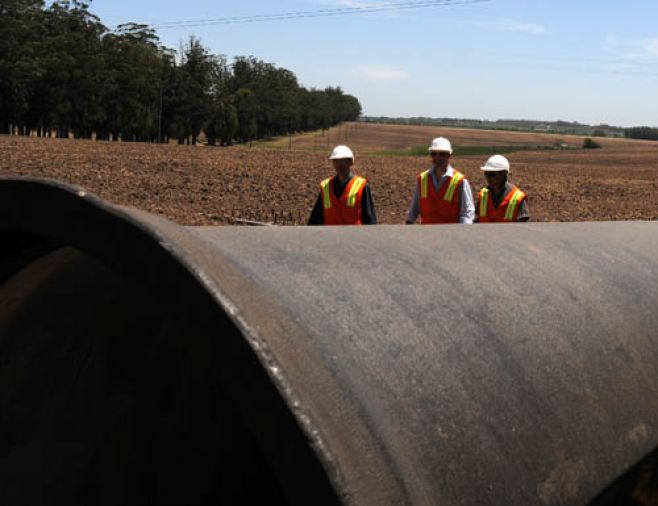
x: 108, y: 395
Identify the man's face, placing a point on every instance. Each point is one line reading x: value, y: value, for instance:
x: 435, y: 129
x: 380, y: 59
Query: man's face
x: 342, y: 166
x: 440, y: 159
x: 496, y: 179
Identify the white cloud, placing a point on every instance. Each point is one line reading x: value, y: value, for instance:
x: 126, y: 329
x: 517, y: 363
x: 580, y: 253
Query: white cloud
x: 620, y: 68
x: 510, y: 25
x: 650, y: 47
x: 381, y: 72
x: 632, y: 49
x: 611, y: 42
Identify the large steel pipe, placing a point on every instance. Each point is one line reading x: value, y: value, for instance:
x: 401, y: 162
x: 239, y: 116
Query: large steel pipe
x: 142, y: 362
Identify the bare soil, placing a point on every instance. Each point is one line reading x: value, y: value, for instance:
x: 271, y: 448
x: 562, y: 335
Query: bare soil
x: 211, y: 186
x: 371, y: 137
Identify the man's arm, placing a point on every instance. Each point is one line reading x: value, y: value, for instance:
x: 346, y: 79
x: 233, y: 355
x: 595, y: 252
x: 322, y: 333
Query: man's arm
x: 317, y: 215
x: 524, y: 212
x: 466, y: 205
x: 368, y: 216
x: 476, y: 218
x: 414, y: 208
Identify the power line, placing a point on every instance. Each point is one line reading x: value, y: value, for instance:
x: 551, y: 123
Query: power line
x: 315, y: 14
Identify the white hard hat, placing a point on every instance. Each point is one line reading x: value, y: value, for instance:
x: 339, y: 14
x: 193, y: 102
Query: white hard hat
x: 341, y: 152
x: 441, y: 144
x: 496, y: 163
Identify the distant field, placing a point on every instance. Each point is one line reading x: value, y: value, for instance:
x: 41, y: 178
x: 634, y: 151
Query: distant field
x: 372, y: 138
x: 205, y: 185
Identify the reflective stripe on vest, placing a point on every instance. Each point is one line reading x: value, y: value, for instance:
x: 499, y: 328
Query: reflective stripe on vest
x: 484, y: 202
x: 454, y: 182
x: 424, y: 177
x: 450, y: 193
x: 511, y: 207
x: 354, y: 191
x: 325, y: 193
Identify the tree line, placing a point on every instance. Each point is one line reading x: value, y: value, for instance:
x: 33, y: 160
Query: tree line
x: 646, y: 133
x: 62, y: 71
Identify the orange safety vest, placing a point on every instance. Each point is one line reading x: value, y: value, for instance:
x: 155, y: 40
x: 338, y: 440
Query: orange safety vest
x: 345, y: 210
x: 506, y: 212
x: 440, y: 206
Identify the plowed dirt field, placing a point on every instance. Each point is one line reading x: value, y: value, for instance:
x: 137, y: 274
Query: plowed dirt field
x: 206, y: 185
x: 373, y: 137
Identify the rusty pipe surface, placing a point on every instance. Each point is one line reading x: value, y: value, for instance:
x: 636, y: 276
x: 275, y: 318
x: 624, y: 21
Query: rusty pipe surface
x: 376, y: 365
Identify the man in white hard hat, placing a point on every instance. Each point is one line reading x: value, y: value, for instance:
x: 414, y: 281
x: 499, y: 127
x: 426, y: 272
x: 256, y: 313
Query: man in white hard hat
x: 442, y: 194
x: 500, y: 201
x: 344, y: 199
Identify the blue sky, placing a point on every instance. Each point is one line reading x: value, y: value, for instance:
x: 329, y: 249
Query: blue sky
x: 593, y: 62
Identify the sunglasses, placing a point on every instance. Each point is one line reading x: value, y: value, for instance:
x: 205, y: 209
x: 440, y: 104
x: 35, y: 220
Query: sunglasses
x: 439, y: 153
